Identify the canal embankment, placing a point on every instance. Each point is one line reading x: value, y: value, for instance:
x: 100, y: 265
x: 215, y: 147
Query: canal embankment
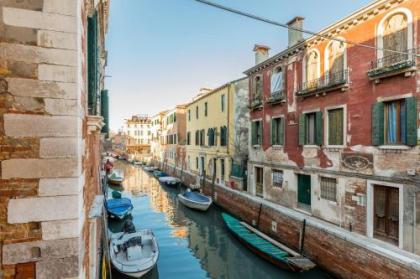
x: 338, y: 251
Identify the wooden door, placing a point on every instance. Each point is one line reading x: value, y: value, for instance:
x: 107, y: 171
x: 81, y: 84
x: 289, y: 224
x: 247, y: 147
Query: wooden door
x: 386, y: 213
x: 259, y: 181
x: 304, y: 189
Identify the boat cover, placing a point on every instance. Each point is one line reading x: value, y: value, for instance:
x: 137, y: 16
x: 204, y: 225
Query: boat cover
x: 197, y: 197
x: 118, y: 206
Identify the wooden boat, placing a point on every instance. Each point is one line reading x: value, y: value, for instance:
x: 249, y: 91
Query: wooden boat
x: 195, y: 200
x: 266, y: 247
x: 115, y: 178
x: 169, y: 180
x: 158, y: 173
x: 119, y: 208
x: 150, y: 168
x: 135, y: 253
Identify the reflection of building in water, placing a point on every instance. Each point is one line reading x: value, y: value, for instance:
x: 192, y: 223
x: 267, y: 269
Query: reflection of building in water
x: 135, y: 181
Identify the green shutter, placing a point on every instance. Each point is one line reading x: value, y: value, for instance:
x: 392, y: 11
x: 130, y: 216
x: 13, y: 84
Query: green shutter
x: 411, y: 119
x: 319, y: 128
x: 302, y: 129
x: 273, y: 131
x: 281, y: 132
x: 254, y: 133
x: 105, y: 112
x: 260, y: 132
x: 92, y: 63
x: 378, y: 124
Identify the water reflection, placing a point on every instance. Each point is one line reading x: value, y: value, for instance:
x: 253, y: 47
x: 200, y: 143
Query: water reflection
x: 192, y: 244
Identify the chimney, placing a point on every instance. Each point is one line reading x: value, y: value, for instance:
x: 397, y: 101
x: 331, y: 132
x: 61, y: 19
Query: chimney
x: 261, y: 53
x: 294, y: 35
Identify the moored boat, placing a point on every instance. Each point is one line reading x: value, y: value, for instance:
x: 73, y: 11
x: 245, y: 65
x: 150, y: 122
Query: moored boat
x: 119, y: 208
x: 158, y: 173
x: 266, y: 247
x: 134, y: 253
x: 169, y: 180
x: 150, y: 168
x: 195, y: 200
x: 115, y: 178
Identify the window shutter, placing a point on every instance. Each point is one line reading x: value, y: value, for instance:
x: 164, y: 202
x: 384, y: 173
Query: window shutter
x: 411, y: 119
x: 260, y: 132
x: 319, y: 128
x: 378, y: 124
x: 302, y: 129
x: 254, y: 133
x: 281, y: 132
x: 273, y: 132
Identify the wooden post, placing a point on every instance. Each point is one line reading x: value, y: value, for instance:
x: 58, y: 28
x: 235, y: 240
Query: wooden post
x: 213, y: 179
x: 302, y: 237
x: 259, y: 215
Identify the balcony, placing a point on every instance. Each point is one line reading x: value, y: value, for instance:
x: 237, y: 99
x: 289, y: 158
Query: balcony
x: 276, y: 97
x: 393, y: 64
x: 256, y: 102
x: 330, y: 82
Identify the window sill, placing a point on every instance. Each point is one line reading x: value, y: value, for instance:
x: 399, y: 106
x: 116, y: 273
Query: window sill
x: 308, y: 146
x: 277, y: 146
x: 394, y: 147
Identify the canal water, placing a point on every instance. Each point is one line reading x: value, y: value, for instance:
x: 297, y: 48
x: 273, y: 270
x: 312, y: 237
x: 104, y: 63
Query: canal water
x: 192, y: 245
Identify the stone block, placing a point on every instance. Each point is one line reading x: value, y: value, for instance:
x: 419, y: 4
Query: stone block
x: 55, y: 39
x: 22, y: 69
x: 57, y: 73
x: 42, y: 209
x: 21, y: 35
x: 24, y: 125
x: 60, y: 229
x: 37, y: 55
x: 63, y: 7
x: 39, y: 20
x: 58, y: 268
x: 44, y: 89
x: 58, y: 147
x: 40, y: 250
x: 61, y: 107
x: 39, y: 168
x: 60, y: 186
x: 35, y: 5
x: 28, y: 104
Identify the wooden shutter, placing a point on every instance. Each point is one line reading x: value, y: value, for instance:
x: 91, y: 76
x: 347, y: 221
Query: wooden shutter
x: 281, y: 132
x: 319, y: 128
x: 411, y: 119
x: 253, y: 133
x: 378, y: 124
x: 273, y: 131
x: 260, y: 132
x: 92, y: 63
x: 302, y: 129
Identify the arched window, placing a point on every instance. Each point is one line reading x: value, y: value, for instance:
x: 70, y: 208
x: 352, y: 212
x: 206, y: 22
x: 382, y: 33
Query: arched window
x: 277, y: 81
x: 395, y: 35
x: 258, y: 87
x: 312, y: 69
x: 335, y: 62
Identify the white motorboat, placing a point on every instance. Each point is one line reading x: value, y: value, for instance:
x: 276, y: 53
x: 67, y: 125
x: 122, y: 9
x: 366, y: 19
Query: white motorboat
x: 134, y: 254
x: 150, y: 168
x: 169, y: 180
x: 195, y: 200
x: 115, y: 178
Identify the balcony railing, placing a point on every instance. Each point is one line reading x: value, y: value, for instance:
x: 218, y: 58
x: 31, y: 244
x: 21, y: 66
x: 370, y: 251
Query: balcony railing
x: 276, y: 97
x: 329, y: 82
x: 393, y: 63
x: 256, y: 102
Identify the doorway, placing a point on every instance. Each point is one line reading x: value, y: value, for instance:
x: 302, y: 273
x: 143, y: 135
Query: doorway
x: 304, y: 191
x: 386, y: 213
x: 259, y: 182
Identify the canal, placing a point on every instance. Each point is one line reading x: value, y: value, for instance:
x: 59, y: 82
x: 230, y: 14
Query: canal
x: 193, y: 245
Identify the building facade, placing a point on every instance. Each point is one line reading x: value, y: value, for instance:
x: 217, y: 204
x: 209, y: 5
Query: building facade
x: 156, y: 132
x: 335, y: 125
x: 173, y: 138
x: 52, y: 63
x: 137, y: 130
x: 217, y: 133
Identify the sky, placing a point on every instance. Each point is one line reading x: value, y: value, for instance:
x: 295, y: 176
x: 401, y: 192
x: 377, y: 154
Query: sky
x: 161, y: 52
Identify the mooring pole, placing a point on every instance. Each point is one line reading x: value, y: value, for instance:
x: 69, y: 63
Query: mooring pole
x: 259, y: 215
x: 302, y: 237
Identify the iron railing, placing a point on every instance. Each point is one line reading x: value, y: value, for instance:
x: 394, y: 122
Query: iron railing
x: 256, y: 101
x: 394, y: 59
x: 330, y: 79
x: 276, y: 96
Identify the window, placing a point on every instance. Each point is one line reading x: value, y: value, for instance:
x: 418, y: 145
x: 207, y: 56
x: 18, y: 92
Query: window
x: 189, y: 115
x: 395, y: 122
x: 188, y: 138
x: 222, y: 102
x: 335, y: 55
x: 277, y: 131
x: 258, y: 87
x: 329, y: 188
x: 222, y: 169
x: 311, y: 69
x: 202, y: 137
x: 395, y: 37
x: 196, y: 112
x: 256, y: 132
x: 310, y: 128
x: 205, y: 109
x: 259, y: 182
x: 277, y: 177
x: 196, y: 163
x: 197, y: 137
x: 175, y: 138
x: 210, y: 134
x: 223, y: 136
x: 92, y: 64
x: 277, y: 81
x: 335, y: 127
x: 386, y: 213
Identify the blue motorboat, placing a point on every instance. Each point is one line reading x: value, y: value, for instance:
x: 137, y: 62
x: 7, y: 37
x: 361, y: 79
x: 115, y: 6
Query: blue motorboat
x: 158, y: 173
x: 119, y: 208
x: 195, y: 200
